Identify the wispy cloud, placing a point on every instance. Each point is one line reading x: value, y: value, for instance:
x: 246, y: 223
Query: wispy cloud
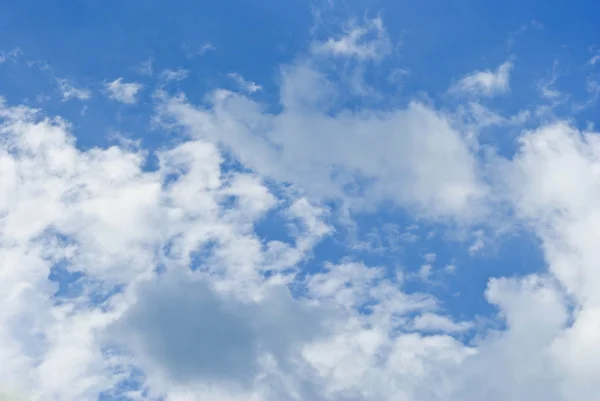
x: 178, y: 74
x: 192, y: 51
x: 365, y: 42
x: 302, y: 244
x: 11, y: 55
x: 485, y: 83
x: 124, y: 92
x: 244, y: 85
x: 69, y: 91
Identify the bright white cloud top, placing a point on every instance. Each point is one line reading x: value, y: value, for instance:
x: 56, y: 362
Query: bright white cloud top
x: 261, y: 251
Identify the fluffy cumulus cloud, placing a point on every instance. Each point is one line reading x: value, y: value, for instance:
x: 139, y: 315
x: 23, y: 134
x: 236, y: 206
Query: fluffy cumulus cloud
x: 145, y: 272
x: 99, y: 216
x: 346, y: 155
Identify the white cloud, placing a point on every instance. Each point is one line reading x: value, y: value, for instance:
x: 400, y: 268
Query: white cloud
x: 411, y: 156
x: 246, y: 86
x: 559, y: 165
x: 485, y: 83
x: 124, y: 92
x: 364, y: 42
x: 517, y: 363
x: 547, y: 89
x: 430, y: 257
x: 178, y: 285
x: 12, y: 55
x: 114, y: 214
x: 425, y: 272
x: 69, y: 91
x: 478, y: 243
x: 552, y: 184
x: 430, y: 322
x: 101, y: 211
x: 450, y: 269
x: 94, y: 212
x: 178, y: 74
x: 594, y: 59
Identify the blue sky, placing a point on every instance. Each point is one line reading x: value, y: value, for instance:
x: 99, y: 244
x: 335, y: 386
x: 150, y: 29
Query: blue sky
x: 326, y: 200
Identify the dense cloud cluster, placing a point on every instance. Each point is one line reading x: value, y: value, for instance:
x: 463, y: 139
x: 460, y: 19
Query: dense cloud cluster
x: 123, y: 279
